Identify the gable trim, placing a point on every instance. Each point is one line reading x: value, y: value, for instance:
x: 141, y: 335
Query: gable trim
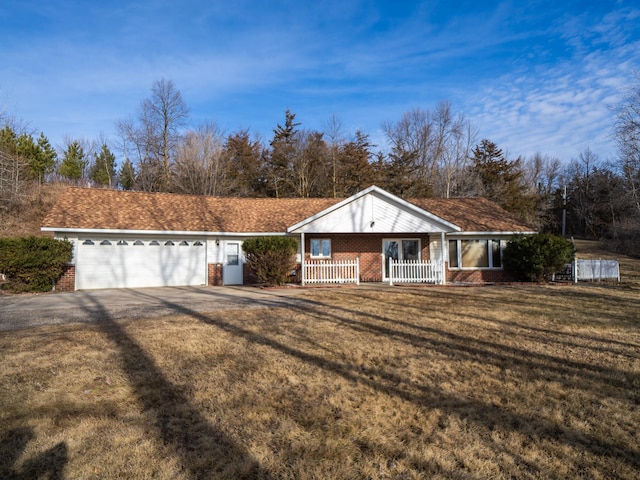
x: 388, y: 196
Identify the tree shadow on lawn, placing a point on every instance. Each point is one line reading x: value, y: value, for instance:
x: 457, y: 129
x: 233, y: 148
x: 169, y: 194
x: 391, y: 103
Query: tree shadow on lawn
x: 50, y: 463
x: 487, y: 303
x: 204, y: 450
x: 488, y: 415
x: 569, y: 372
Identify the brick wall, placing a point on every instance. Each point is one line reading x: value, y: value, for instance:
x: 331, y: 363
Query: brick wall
x: 67, y: 282
x: 215, y: 274
x: 367, y: 247
x: 478, y: 276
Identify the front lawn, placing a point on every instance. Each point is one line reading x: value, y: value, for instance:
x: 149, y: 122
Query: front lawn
x: 403, y: 382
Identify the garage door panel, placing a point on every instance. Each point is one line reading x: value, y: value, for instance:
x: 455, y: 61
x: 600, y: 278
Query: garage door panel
x: 142, y: 265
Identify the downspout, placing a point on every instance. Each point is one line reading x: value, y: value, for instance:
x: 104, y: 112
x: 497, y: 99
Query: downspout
x: 302, y: 274
x: 442, y: 259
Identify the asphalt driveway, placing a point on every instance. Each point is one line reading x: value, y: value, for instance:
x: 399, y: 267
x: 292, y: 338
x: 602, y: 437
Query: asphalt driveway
x: 25, y: 311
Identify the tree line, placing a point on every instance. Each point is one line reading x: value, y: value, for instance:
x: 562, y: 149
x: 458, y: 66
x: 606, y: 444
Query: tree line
x: 431, y: 153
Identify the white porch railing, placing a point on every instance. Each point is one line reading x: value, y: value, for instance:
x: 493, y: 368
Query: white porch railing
x: 327, y: 271
x: 414, y: 271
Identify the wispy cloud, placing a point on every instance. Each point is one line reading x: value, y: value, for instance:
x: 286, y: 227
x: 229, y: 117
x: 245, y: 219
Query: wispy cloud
x: 563, y: 108
x: 530, y: 77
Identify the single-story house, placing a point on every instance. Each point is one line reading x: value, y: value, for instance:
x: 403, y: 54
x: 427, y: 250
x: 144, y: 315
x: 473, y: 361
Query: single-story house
x: 125, y: 239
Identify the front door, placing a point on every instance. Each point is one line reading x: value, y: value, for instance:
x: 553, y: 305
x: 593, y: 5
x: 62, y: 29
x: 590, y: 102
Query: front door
x: 399, y: 250
x: 232, y: 267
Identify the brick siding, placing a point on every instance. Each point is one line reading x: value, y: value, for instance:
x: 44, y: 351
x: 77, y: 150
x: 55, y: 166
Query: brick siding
x: 67, y: 282
x: 478, y: 276
x: 215, y: 274
x: 366, y: 247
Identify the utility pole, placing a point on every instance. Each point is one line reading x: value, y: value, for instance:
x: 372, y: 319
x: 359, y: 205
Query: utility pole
x: 564, y: 211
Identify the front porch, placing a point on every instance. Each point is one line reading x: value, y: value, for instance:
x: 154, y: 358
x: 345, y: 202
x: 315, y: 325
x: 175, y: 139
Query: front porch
x: 349, y: 258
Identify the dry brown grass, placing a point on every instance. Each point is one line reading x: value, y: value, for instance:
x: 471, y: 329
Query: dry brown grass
x: 487, y: 382
x: 629, y: 266
x: 26, y: 218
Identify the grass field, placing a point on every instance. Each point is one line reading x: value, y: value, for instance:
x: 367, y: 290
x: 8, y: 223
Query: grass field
x: 403, y: 382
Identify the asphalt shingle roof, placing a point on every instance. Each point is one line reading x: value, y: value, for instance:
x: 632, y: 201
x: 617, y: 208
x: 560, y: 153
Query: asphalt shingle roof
x: 94, y: 208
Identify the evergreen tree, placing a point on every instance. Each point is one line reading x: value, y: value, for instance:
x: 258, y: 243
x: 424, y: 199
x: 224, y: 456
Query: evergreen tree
x: 45, y: 163
x: 501, y: 180
x: 355, y: 170
x: 103, y: 170
x: 73, y: 163
x: 280, y: 162
x: 245, y: 165
x: 127, y: 175
x: 8, y: 140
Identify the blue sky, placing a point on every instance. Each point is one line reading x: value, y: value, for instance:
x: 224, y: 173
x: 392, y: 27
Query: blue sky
x: 530, y: 76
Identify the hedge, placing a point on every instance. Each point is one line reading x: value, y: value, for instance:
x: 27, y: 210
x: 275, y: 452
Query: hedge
x: 33, y: 264
x: 534, y: 258
x: 270, y: 258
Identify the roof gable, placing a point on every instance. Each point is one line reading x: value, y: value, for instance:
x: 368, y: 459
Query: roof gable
x: 373, y: 210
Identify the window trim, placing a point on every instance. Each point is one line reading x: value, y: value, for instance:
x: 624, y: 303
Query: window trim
x: 489, y: 242
x: 321, y: 249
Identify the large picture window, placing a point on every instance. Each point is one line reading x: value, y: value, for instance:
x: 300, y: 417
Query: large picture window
x: 475, y: 253
x: 320, y: 248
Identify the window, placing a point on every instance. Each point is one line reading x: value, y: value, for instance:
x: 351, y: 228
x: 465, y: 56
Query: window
x: 184, y: 243
x: 475, y: 253
x: 154, y: 243
x: 496, y: 253
x: 105, y: 242
x: 453, y: 254
x: 320, y: 248
x: 122, y: 242
x: 197, y: 244
x: 138, y: 242
x: 88, y: 242
x: 169, y: 243
x: 232, y: 251
x: 400, y: 250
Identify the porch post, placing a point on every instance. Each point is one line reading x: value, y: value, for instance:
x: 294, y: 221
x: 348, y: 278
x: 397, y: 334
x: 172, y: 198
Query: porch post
x: 442, y: 258
x: 302, y: 274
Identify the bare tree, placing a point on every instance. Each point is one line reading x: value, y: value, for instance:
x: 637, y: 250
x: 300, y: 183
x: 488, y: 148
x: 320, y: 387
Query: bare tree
x: 152, y: 141
x: 627, y: 135
x: 433, y: 147
x: 13, y: 176
x: 336, y: 140
x: 201, y: 163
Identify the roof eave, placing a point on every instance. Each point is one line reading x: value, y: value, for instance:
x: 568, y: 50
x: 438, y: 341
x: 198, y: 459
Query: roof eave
x: 116, y: 231
x: 494, y: 232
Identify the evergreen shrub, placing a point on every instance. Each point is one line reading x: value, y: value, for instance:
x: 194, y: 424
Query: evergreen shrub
x: 33, y: 264
x: 270, y: 258
x: 535, y: 258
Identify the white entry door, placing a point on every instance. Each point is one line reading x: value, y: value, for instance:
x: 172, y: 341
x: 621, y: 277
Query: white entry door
x: 400, y: 249
x: 232, y: 266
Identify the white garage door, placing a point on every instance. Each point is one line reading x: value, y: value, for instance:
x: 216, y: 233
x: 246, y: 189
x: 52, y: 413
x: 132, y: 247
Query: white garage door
x: 136, y: 262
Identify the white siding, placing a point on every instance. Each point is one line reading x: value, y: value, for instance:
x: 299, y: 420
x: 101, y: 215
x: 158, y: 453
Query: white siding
x: 374, y: 214
x: 435, y: 249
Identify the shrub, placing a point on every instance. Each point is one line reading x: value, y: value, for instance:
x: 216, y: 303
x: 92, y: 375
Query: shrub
x: 534, y: 258
x: 33, y: 264
x: 270, y: 258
